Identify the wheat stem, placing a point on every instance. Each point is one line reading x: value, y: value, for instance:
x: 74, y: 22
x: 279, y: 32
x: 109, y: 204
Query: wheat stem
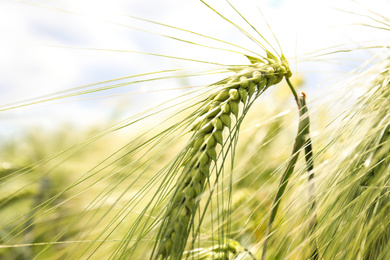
x: 303, y: 131
x: 293, y: 92
x: 310, y: 170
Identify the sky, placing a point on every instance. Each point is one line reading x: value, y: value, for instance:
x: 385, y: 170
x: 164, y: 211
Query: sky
x: 52, y: 46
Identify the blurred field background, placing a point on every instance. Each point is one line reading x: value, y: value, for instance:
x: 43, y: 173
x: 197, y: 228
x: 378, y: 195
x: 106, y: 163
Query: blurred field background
x: 81, y: 155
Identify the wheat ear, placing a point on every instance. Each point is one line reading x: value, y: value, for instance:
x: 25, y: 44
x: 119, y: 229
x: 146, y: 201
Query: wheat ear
x: 207, y: 133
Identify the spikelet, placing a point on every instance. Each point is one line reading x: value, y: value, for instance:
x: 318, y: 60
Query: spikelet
x: 248, y: 83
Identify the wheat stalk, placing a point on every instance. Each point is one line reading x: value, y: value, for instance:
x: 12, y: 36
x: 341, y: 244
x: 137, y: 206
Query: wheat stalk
x: 213, y: 119
x: 300, y: 141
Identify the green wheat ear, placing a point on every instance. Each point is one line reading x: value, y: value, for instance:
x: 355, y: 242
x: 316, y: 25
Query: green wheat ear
x: 213, y: 119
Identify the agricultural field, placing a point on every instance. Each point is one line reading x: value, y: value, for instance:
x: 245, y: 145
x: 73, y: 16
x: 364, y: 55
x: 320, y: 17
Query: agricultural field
x: 197, y: 129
